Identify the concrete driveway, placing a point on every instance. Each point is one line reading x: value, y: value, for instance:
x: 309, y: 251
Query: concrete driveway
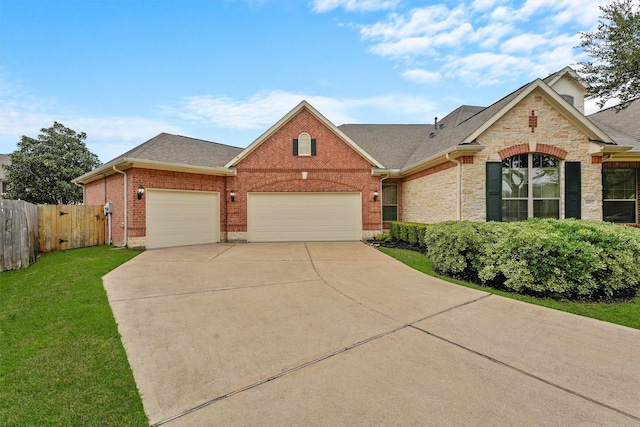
x: 340, y: 334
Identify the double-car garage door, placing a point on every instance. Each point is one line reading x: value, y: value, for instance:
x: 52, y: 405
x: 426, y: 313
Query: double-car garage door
x: 291, y: 217
x: 177, y: 218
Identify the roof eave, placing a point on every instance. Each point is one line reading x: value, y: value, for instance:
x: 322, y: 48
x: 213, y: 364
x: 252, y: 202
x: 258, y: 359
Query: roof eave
x: 125, y: 163
x: 453, y: 152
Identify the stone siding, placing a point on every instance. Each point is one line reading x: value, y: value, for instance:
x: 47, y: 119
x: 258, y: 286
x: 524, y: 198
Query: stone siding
x: 555, y: 134
x: 430, y: 196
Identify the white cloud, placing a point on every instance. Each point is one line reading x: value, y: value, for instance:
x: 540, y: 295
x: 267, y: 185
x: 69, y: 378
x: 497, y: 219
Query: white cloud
x: 322, y: 6
x: 21, y: 114
x: 483, y: 69
x: 510, y: 38
x: 265, y: 108
x: 523, y: 43
x: 421, y: 76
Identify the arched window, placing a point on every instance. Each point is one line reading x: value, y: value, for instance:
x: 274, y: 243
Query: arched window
x: 304, y: 144
x: 530, y: 187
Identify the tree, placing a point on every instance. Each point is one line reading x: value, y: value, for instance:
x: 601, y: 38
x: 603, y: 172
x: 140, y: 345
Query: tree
x: 41, y: 169
x: 614, y: 71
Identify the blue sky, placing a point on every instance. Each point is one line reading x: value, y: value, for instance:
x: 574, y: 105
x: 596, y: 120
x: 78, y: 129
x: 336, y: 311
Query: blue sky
x: 225, y: 70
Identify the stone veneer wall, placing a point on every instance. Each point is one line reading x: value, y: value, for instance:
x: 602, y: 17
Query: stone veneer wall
x: 430, y: 196
x: 553, y: 130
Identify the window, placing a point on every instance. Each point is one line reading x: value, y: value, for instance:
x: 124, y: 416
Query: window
x: 568, y: 98
x: 390, y: 201
x: 530, y: 187
x: 620, y: 195
x: 304, y: 144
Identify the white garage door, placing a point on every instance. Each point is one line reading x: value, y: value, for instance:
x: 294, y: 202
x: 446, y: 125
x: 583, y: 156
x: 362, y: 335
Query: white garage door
x: 178, y: 218
x: 291, y: 217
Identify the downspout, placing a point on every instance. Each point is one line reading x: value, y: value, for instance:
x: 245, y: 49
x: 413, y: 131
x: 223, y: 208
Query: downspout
x: 83, y: 194
x: 125, y: 205
x: 459, y: 187
x: 381, y: 221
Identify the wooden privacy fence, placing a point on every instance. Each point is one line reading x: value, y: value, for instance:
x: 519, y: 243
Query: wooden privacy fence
x: 18, y: 234
x: 69, y: 226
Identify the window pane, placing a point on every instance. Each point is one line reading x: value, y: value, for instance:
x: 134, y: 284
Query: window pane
x: 624, y: 212
x: 514, y: 182
x: 514, y: 210
x: 619, y: 184
x: 546, y: 209
x: 389, y: 213
x: 546, y: 182
x: 304, y: 144
x: 390, y: 194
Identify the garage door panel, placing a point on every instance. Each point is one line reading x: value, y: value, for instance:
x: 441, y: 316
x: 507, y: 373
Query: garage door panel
x: 304, y: 217
x: 177, y: 218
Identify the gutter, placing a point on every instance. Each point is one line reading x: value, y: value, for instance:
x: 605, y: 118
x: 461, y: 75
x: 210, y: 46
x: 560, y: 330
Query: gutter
x: 126, y: 208
x: 128, y: 162
x: 460, y: 150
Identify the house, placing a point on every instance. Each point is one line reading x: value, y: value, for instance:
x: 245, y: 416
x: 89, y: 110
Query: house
x: 531, y: 153
x: 5, y: 159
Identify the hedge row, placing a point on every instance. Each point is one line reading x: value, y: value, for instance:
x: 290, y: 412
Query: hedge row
x: 412, y: 233
x: 575, y: 259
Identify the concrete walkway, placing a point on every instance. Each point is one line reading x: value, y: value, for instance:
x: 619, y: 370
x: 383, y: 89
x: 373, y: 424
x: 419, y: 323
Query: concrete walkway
x: 340, y: 334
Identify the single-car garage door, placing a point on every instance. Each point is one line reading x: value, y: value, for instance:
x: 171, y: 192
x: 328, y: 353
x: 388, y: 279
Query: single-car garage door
x: 290, y: 217
x: 178, y: 218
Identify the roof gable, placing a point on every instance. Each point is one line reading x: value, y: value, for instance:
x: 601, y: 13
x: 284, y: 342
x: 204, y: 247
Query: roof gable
x: 551, y: 96
x: 304, y: 105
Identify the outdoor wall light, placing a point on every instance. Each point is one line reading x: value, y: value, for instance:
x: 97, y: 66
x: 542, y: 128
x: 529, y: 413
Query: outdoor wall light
x: 140, y: 192
x: 232, y: 195
x: 375, y: 195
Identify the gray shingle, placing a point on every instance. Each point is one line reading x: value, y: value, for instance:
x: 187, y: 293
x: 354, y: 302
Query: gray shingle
x: 623, y: 126
x: 391, y: 145
x: 182, y: 150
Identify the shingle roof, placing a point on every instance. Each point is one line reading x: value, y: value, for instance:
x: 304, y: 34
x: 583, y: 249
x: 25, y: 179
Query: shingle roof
x: 392, y: 145
x: 623, y: 126
x: 181, y: 150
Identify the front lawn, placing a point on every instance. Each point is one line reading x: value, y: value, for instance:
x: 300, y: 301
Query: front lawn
x: 61, y: 359
x: 622, y: 313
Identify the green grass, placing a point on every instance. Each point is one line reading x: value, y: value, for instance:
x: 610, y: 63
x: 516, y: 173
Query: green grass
x: 621, y: 313
x: 61, y: 359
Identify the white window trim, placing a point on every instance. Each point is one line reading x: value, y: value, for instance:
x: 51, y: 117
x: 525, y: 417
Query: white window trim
x: 304, y: 144
x: 530, y: 199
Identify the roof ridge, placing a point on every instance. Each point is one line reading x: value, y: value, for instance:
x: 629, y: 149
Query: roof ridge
x: 207, y: 141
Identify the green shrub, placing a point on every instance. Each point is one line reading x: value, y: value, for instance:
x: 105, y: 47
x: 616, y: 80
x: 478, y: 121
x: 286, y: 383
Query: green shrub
x: 382, y: 237
x: 575, y: 259
x: 411, y: 233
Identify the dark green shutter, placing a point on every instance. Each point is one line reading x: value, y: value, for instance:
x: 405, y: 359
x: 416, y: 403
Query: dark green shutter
x: 572, y: 190
x: 313, y: 147
x: 494, y: 191
x: 295, y: 147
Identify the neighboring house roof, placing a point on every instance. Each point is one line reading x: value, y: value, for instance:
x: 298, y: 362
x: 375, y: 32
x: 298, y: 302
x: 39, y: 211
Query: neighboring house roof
x: 304, y: 105
x: 4, y: 160
x: 623, y: 126
x: 170, y: 152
